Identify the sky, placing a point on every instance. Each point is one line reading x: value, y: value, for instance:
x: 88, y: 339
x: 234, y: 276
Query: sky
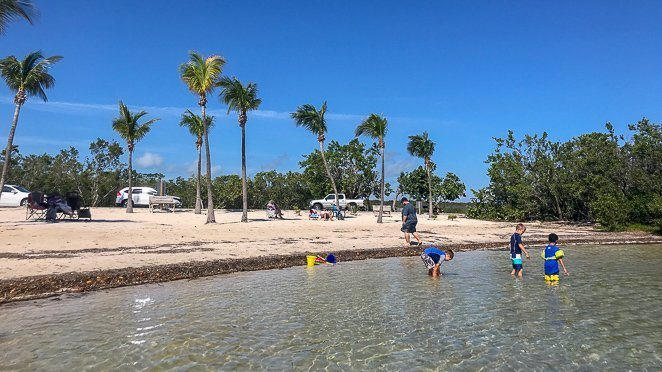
x: 463, y: 71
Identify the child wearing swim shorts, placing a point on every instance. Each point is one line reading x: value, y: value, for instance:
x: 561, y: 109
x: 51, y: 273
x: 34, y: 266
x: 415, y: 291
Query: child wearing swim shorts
x: 433, y: 258
x: 553, y: 256
x: 516, y: 249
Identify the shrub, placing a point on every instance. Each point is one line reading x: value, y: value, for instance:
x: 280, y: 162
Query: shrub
x: 452, y: 217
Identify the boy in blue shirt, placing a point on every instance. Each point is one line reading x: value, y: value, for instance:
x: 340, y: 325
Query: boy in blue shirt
x: 434, y: 257
x: 516, y: 249
x: 553, y: 257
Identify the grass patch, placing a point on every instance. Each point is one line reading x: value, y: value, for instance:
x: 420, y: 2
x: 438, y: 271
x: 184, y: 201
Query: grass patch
x: 635, y: 227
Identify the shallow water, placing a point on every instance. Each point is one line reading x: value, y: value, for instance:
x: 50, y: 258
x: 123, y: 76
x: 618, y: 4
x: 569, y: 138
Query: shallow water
x: 374, y: 314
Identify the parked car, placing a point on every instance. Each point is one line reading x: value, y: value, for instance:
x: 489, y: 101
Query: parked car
x: 140, y: 196
x: 330, y: 199
x: 14, y: 196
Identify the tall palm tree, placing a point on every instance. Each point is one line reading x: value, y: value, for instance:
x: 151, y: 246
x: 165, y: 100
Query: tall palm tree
x: 201, y: 76
x: 422, y: 146
x: 241, y: 99
x: 11, y: 10
x: 127, y: 126
x: 194, y: 124
x: 375, y: 127
x: 27, y: 78
x: 308, y: 117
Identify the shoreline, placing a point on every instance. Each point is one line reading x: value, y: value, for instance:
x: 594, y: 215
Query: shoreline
x: 50, y: 285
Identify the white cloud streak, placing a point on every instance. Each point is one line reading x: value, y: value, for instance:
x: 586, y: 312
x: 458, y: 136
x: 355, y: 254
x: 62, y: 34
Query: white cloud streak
x: 150, y: 160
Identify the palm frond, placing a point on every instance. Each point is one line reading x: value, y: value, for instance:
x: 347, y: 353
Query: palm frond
x: 12, y: 10
x: 128, y: 127
x: 308, y: 117
x: 201, y: 74
x: 421, y: 146
x: 374, y: 126
x: 194, y: 125
x: 238, y: 97
x: 30, y: 75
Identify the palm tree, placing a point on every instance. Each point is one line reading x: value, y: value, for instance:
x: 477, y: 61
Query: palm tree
x: 201, y: 76
x: 11, y: 10
x: 27, y: 78
x: 422, y: 146
x: 127, y: 126
x: 308, y: 117
x: 375, y: 127
x: 194, y: 124
x: 241, y: 99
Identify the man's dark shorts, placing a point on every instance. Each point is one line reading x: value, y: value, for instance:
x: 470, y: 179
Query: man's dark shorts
x: 409, y: 227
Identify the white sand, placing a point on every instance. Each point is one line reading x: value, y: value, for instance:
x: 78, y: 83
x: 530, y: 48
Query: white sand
x: 120, y: 240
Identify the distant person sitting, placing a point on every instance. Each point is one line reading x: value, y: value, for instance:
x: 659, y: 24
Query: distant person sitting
x: 409, y: 221
x: 274, y: 210
x: 56, y: 204
x: 433, y: 258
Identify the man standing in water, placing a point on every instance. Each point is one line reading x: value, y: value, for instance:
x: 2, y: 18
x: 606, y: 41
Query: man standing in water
x: 409, y: 221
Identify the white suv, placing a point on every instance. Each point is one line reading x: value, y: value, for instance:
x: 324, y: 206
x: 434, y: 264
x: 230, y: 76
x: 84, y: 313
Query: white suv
x: 140, y: 196
x: 14, y: 196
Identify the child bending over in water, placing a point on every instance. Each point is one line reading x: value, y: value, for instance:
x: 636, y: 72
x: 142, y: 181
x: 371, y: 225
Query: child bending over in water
x: 433, y: 258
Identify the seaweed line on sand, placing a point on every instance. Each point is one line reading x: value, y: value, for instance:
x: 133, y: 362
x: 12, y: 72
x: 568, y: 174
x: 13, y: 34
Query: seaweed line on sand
x: 42, y: 286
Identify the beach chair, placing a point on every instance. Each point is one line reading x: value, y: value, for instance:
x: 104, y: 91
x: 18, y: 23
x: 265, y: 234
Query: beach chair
x: 338, y: 213
x: 313, y: 215
x: 36, y: 206
x: 74, y: 202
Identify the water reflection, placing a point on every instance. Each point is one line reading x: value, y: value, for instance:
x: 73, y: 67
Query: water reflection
x: 359, y: 315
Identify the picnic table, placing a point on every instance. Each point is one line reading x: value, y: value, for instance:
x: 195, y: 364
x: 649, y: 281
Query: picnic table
x: 161, y: 202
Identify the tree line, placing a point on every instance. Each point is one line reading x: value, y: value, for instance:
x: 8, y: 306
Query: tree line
x: 348, y: 168
x: 595, y: 177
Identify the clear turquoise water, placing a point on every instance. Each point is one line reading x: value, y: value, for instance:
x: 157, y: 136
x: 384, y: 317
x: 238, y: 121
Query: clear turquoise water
x: 375, y: 314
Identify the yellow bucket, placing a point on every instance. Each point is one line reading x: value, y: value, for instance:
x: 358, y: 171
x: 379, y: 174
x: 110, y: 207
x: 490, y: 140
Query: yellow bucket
x: 310, y: 260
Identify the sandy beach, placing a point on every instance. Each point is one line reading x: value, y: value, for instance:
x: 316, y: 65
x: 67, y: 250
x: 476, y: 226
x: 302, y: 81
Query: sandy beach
x: 115, y: 240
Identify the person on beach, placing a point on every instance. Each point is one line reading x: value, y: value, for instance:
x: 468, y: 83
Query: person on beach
x: 516, y: 249
x: 553, y: 256
x: 433, y: 258
x: 409, y: 222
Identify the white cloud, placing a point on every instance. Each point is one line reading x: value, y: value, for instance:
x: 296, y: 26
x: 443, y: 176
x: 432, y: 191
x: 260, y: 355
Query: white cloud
x: 149, y: 160
x: 160, y: 111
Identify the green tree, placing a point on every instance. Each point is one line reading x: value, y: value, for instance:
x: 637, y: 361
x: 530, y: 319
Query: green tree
x: 228, y: 191
x: 376, y: 127
x: 195, y: 126
x: 312, y: 119
x: 241, y: 99
x: 27, y: 78
x: 12, y: 10
x: 352, y: 167
x: 422, y: 146
x: 102, y: 171
x: 128, y: 127
x: 201, y: 76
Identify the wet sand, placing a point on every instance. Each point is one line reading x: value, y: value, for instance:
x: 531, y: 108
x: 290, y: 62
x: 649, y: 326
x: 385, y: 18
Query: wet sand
x: 116, y: 248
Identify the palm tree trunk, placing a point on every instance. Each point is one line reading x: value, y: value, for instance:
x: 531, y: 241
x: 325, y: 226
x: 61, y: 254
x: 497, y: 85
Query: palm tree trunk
x: 10, y: 141
x: 244, y: 188
x: 381, y: 205
x: 427, y: 169
x: 328, y: 173
x: 129, y: 199
x: 210, y: 202
x: 198, y: 198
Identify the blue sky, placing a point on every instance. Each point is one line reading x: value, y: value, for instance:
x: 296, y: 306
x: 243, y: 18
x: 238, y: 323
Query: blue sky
x: 465, y: 72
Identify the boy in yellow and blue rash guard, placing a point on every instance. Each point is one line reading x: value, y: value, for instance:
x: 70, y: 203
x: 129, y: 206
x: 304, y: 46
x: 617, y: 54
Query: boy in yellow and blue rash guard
x: 553, y: 257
